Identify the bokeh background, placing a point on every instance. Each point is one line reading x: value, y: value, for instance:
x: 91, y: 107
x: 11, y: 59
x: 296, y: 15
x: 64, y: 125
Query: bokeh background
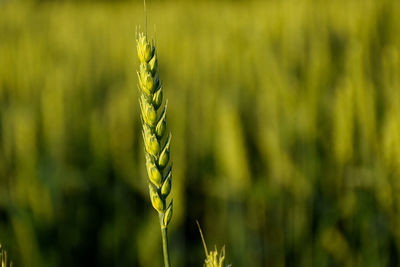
x: 285, y: 118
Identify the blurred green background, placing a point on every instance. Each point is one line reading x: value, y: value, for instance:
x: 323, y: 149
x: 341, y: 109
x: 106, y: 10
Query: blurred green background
x: 285, y: 118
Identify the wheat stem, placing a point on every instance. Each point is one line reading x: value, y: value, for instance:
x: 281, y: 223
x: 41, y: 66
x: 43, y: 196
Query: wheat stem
x: 164, y: 236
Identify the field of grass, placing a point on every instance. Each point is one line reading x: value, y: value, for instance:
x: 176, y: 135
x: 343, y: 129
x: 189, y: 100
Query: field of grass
x: 285, y: 118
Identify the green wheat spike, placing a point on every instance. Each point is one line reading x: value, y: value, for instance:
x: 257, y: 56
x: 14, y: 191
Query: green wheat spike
x: 157, y: 150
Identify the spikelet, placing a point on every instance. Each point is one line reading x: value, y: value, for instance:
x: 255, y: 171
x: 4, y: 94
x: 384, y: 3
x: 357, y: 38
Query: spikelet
x: 157, y: 151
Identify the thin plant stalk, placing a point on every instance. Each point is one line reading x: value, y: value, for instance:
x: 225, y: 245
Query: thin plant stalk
x: 164, y: 236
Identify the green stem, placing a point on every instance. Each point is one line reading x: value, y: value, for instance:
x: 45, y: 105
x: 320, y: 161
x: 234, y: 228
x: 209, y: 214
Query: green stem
x: 164, y: 236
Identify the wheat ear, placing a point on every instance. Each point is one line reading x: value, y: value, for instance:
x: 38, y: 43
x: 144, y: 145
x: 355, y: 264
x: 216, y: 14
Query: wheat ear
x: 154, y: 126
x: 212, y: 258
x: 3, y: 258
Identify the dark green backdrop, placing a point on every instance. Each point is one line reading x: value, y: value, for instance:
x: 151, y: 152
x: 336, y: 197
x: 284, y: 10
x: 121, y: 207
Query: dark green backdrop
x: 285, y: 124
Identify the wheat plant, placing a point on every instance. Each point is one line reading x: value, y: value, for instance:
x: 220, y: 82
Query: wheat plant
x: 154, y: 127
x: 212, y: 257
x: 3, y: 258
